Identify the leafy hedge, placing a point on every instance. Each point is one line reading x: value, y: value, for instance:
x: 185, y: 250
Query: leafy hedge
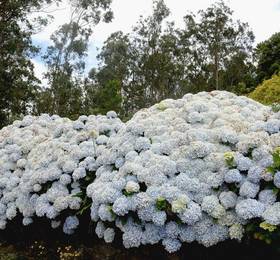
x: 268, y: 92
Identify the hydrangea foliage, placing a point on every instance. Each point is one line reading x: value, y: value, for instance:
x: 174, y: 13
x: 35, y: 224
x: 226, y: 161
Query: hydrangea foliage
x: 203, y: 168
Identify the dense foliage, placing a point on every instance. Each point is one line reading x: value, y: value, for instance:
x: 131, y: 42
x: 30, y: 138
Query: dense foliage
x: 268, y: 53
x: 18, y: 84
x: 268, y: 92
x: 158, y: 60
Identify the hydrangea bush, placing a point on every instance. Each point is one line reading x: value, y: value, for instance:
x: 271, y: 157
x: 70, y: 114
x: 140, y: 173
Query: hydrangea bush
x: 46, y: 164
x: 203, y: 168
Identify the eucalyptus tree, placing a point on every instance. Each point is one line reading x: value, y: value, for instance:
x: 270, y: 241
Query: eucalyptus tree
x: 143, y: 61
x: 216, y: 37
x: 65, y: 59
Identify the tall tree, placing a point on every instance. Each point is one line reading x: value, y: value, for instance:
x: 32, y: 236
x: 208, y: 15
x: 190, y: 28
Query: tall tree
x: 115, y: 58
x: 158, y: 61
x: 216, y: 38
x: 99, y: 99
x: 65, y: 62
x: 268, y: 57
x: 65, y: 59
x: 144, y: 61
x: 18, y: 84
x: 238, y: 74
x: 154, y: 61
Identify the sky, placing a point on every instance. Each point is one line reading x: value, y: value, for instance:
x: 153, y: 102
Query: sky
x: 263, y: 17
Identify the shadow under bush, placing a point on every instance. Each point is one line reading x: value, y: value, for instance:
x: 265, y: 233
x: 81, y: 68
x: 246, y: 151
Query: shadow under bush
x: 85, y: 239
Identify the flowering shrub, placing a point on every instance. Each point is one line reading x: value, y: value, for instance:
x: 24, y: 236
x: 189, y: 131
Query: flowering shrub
x: 203, y: 168
x: 46, y: 164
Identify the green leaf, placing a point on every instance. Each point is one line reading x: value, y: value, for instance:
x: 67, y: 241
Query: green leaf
x: 161, y: 204
x: 81, y: 211
x: 78, y: 195
x: 127, y: 194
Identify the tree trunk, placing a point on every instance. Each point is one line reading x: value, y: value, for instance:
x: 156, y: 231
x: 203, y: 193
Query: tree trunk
x: 216, y: 70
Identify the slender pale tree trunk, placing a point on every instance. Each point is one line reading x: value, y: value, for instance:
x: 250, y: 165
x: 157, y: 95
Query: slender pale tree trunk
x: 216, y: 70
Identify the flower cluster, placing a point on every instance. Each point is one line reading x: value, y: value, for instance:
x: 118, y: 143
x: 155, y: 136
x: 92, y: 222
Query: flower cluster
x: 193, y: 171
x: 46, y: 163
x: 201, y: 168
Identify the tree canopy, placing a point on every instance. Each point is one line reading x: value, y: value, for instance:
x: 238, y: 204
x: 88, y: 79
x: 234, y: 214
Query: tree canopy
x: 268, y: 55
x: 156, y: 60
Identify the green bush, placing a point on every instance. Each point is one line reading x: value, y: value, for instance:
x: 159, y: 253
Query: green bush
x: 268, y: 92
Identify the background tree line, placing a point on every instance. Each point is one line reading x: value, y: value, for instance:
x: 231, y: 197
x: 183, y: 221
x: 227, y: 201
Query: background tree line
x: 155, y: 61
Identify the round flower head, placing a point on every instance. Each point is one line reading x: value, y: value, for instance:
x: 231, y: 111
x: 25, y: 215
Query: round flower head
x: 70, y: 224
x: 171, y: 245
x: 180, y: 204
x: 236, y: 231
x: 132, y: 235
x: 249, y: 209
x: 249, y: 189
x: 267, y: 196
x: 228, y: 199
x: 272, y: 214
x: 132, y: 187
x: 212, y: 206
x: 109, y: 235
x: 233, y: 176
x: 276, y: 179
x: 100, y: 229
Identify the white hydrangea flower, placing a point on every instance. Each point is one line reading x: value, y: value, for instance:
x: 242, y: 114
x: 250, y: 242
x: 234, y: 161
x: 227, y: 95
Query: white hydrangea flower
x: 100, y: 229
x: 121, y: 206
x: 109, y: 235
x: 192, y: 214
x: 171, y: 245
x: 228, y: 199
x: 180, y: 204
x: 249, y: 189
x: 267, y: 196
x: 212, y: 206
x: 272, y: 214
x: 187, y: 234
x: 233, y: 176
x: 236, y: 231
x: 70, y: 224
x: 27, y: 221
x: 249, y: 208
x: 132, y: 187
x: 243, y: 163
x: 132, y: 235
